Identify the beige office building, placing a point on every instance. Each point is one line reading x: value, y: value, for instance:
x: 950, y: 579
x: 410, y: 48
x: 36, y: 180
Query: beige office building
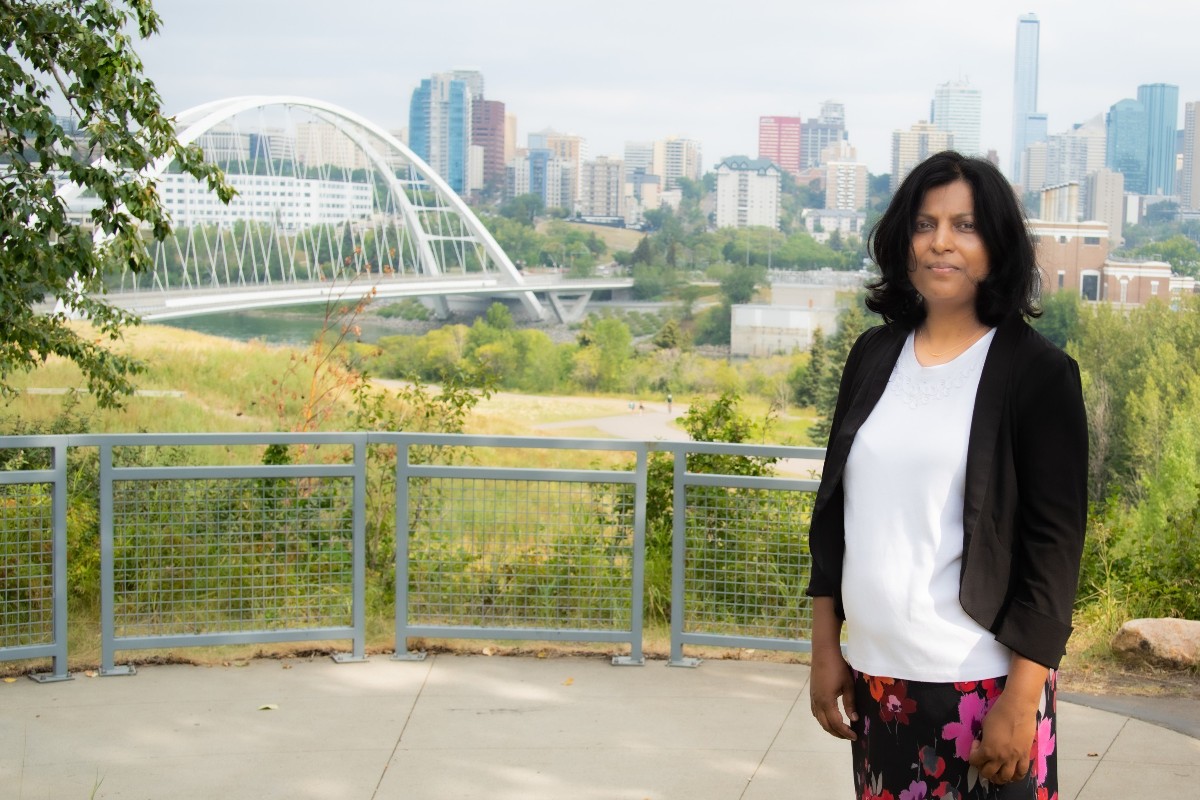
x: 913, y: 146
x: 602, y: 190
x: 1106, y: 202
x: 845, y: 185
x: 675, y: 158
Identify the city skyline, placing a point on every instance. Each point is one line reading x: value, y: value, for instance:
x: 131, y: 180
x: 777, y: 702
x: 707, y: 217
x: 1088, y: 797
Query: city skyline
x: 648, y: 71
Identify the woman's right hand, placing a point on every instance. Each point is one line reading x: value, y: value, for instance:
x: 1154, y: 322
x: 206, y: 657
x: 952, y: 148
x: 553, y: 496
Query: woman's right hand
x: 830, y: 678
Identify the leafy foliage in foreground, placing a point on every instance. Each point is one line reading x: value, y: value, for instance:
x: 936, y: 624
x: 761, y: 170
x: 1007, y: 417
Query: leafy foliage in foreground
x: 81, y: 53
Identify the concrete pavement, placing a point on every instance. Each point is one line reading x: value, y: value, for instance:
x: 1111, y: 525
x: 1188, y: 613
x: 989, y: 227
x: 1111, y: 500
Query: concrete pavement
x: 454, y: 727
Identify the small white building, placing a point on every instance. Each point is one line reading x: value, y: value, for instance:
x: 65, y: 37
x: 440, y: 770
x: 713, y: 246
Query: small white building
x: 747, y: 193
x: 822, y: 222
x: 787, y: 324
x: 283, y: 201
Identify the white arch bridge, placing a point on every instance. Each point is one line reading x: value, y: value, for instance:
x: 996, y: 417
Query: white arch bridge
x: 328, y: 205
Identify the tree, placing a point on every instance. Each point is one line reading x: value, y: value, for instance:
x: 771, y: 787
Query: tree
x: 523, y: 208
x: 79, y: 54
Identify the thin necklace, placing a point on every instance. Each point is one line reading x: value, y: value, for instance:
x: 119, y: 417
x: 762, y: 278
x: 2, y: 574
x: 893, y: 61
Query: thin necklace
x: 955, y: 349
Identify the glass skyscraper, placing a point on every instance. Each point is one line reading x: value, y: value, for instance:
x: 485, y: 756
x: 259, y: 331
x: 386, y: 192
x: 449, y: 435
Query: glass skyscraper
x: 1125, y: 130
x: 1161, y: 101
x: 1025, y: 88
x: 439, y: 127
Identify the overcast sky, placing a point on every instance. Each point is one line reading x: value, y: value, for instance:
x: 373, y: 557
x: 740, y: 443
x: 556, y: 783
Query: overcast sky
x: 622, y: 70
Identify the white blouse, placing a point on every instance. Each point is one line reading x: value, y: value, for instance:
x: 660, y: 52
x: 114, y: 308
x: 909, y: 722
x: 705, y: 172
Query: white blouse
x: 903, y: 485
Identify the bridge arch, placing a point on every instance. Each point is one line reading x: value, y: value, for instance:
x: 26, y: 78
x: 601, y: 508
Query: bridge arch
x: 403, y: 220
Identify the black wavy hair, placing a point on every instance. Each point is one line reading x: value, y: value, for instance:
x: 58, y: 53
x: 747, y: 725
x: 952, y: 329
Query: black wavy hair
x: 1013, y: 282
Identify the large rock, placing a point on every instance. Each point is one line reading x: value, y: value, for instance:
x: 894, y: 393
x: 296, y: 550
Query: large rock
x: 1171, y: 642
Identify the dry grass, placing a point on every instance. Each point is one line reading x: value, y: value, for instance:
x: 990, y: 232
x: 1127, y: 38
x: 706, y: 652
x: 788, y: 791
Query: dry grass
x: 614, y: 238
x: 226, y: 386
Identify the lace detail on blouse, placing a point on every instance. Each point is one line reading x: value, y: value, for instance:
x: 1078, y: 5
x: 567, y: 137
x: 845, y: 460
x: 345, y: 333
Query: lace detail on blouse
x: 917, y: 386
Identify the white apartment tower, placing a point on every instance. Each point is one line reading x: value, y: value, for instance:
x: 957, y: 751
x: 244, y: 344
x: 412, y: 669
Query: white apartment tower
x: 958, y: 109
x: 1190, y: 186
x: 676, y: 158
x: 602, y: 190
x: 747, y: 193
x: 845, y: 185
x: 1074, y: 154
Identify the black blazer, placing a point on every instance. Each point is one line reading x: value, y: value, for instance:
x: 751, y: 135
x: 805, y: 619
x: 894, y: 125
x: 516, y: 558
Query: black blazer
x: 1025, y: 500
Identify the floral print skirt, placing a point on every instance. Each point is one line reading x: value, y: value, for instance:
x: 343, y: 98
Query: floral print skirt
x: 914, y: 739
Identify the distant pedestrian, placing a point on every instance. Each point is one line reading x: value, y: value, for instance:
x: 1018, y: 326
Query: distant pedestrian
x: 668, y: 402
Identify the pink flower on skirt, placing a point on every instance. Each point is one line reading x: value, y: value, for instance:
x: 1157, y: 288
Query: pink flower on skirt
x: 1043, y: 746
x: 971, y: 708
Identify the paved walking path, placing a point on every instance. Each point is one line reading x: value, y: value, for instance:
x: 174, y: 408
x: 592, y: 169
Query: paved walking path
x: 505, y: 728
x: 655, y: 422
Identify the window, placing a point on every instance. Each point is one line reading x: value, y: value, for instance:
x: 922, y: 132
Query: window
x: 1089, y: 287
x: 1154, y: 288
x: 1062, y: 278
x: 1091, y: 240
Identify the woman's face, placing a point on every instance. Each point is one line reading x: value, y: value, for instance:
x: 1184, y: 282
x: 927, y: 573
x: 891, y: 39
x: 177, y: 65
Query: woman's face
x: 948, y: 259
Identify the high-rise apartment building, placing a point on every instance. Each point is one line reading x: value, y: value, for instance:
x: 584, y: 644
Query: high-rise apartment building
x: 747, y: 193
x: 675, y: 158
x: 317, y: 143
x: 1073, y: 155
x: 1060, y: 203
x: 779, y: 141
x: 1036, y: 131
x: 639, y: 157
x: 913, y: 146
x: 1033, y: 167
x: 569, y: 149
x: 1126, y: 147
x: 958, y: 109
x: 1105, y: 192
x: 1190, y: 177
x: 845, y: 185
x: 1025, y: 89
x: 1161, y: 101
x: 602, y: 193
x: 487, y: 131
x: 541, y: 173
x: 821, y: 132
x: 439, y: 127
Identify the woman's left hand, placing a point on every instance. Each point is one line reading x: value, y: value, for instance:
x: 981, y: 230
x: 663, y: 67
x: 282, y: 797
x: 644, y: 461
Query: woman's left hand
x: 1003, y: 754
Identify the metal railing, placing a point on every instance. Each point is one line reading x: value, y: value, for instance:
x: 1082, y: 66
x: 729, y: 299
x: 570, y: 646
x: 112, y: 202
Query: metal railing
x: 213, y: 539
x: 33, y: 551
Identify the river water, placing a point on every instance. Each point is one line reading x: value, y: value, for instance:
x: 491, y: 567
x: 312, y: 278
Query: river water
x: 293, y: 326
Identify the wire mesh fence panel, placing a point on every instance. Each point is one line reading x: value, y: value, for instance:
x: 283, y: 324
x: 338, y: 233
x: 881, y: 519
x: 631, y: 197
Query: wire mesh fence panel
x: 202, y: 556
x: 529, y: 554
x: 746, y: 562
x: 26, y: 565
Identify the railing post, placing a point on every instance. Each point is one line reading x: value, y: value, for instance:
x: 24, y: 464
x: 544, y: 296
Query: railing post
x: 107, y: 561
x: 402, y: 653
x: 59, y: 566
x: 359, y: 556
x: 638, y: 577
x: 678, y: 557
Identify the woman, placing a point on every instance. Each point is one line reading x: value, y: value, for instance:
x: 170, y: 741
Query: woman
x: 949, y: 524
